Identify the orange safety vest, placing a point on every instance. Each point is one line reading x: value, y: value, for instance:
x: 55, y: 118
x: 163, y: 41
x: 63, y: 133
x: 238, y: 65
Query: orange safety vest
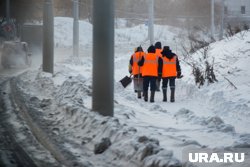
x: 150, y: 66
x: 158, y: 52
x: 136, y: 58
x: 169, y: 67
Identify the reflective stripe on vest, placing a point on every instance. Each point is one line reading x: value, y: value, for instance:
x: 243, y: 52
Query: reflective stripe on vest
x: 150, y: 66
x: 136, y: 58
x: 169, y: 67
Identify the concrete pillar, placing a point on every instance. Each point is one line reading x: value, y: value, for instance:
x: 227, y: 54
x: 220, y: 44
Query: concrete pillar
x: 103, y: 57
x: 222, y: 18
x: 8, y: 10
x: 76, y: 28
x: 48, y: 37
x: 212, y: 18
x: 151, y: 21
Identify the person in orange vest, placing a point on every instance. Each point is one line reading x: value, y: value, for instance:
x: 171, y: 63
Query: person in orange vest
x: 152, y: 65
x: 136, y: 70
x: 158, y: 50
x: 170, y: 71
x: 129, y: 64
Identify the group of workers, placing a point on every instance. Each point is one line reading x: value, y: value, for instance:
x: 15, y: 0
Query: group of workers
x: 148, y: 69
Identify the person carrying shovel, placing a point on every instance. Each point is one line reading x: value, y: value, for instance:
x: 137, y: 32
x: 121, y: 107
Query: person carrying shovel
x: 136, y: 70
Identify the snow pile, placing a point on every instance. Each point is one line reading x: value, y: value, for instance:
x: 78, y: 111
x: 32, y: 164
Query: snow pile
x: 128, y: 37
x: 81, y: 128
x: 138, y: 35
x: 230, y: 95
x: 214, y: 123
x: 63, y: 28
x: 73, y: 90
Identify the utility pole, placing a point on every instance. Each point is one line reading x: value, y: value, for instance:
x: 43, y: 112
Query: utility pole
x: 8, y: 16
x: 151, y: 21
x: 212, y: 18
x: 8, y: 10
x: 48, y: 37
x: 222, y: 18
x: 76, y: 28
x: 103, y: 57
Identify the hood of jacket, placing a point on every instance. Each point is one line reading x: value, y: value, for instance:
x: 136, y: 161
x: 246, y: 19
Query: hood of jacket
x: 158, y: 45
x: 166, y: 52
x: 151, y: 49
x: 170, y: 55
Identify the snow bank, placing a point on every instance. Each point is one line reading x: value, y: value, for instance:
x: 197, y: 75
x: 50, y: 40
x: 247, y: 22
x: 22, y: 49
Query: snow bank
x: 81, y: 128
x: 63, y: 28
x: 126, y: 37
x: 230, y: 95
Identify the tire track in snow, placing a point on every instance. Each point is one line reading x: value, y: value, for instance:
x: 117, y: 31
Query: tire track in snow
x: 36, y: 130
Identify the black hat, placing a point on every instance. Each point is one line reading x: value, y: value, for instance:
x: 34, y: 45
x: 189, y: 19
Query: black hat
x: 158, y: 45
x: 139, y: 49
x: 166, y: 50
x: 151, y: 49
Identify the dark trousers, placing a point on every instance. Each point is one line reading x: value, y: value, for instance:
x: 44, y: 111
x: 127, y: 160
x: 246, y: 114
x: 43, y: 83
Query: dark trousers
x: 149, y: 80
x: 171, y: 81
x: 137, y: 76
x: 158, y: 84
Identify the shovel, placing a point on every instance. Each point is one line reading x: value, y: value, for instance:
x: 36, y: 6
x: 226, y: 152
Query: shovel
x: 179, y: 77
x: 126, y: 81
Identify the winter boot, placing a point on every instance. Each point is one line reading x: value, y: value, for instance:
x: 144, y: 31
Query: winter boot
x: 164, y: 95
x: 152, y: 96
x: 146, y: 96
x: 139, y: 94
x: 172, y: 99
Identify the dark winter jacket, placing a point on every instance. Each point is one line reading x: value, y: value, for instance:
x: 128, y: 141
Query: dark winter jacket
x: 158, y: 45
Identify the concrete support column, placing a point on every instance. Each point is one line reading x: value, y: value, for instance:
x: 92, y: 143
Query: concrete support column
x: 103, y: 57
x: 222, y: 18
x: 8, y: 10
x: 151, y: 21
x: 76, y: 28
x: 48, y: 37
x: 212, y: 18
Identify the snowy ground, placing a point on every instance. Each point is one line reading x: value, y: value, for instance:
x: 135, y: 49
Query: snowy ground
x: 142, y: 134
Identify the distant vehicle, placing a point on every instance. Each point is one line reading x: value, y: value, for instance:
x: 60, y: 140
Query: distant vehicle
x: 7, y: 29
x: 14, y: 53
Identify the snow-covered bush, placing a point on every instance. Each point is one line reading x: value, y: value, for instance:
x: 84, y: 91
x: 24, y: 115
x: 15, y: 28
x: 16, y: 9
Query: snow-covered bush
x: 203, y: 68
x: 232, y: 30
